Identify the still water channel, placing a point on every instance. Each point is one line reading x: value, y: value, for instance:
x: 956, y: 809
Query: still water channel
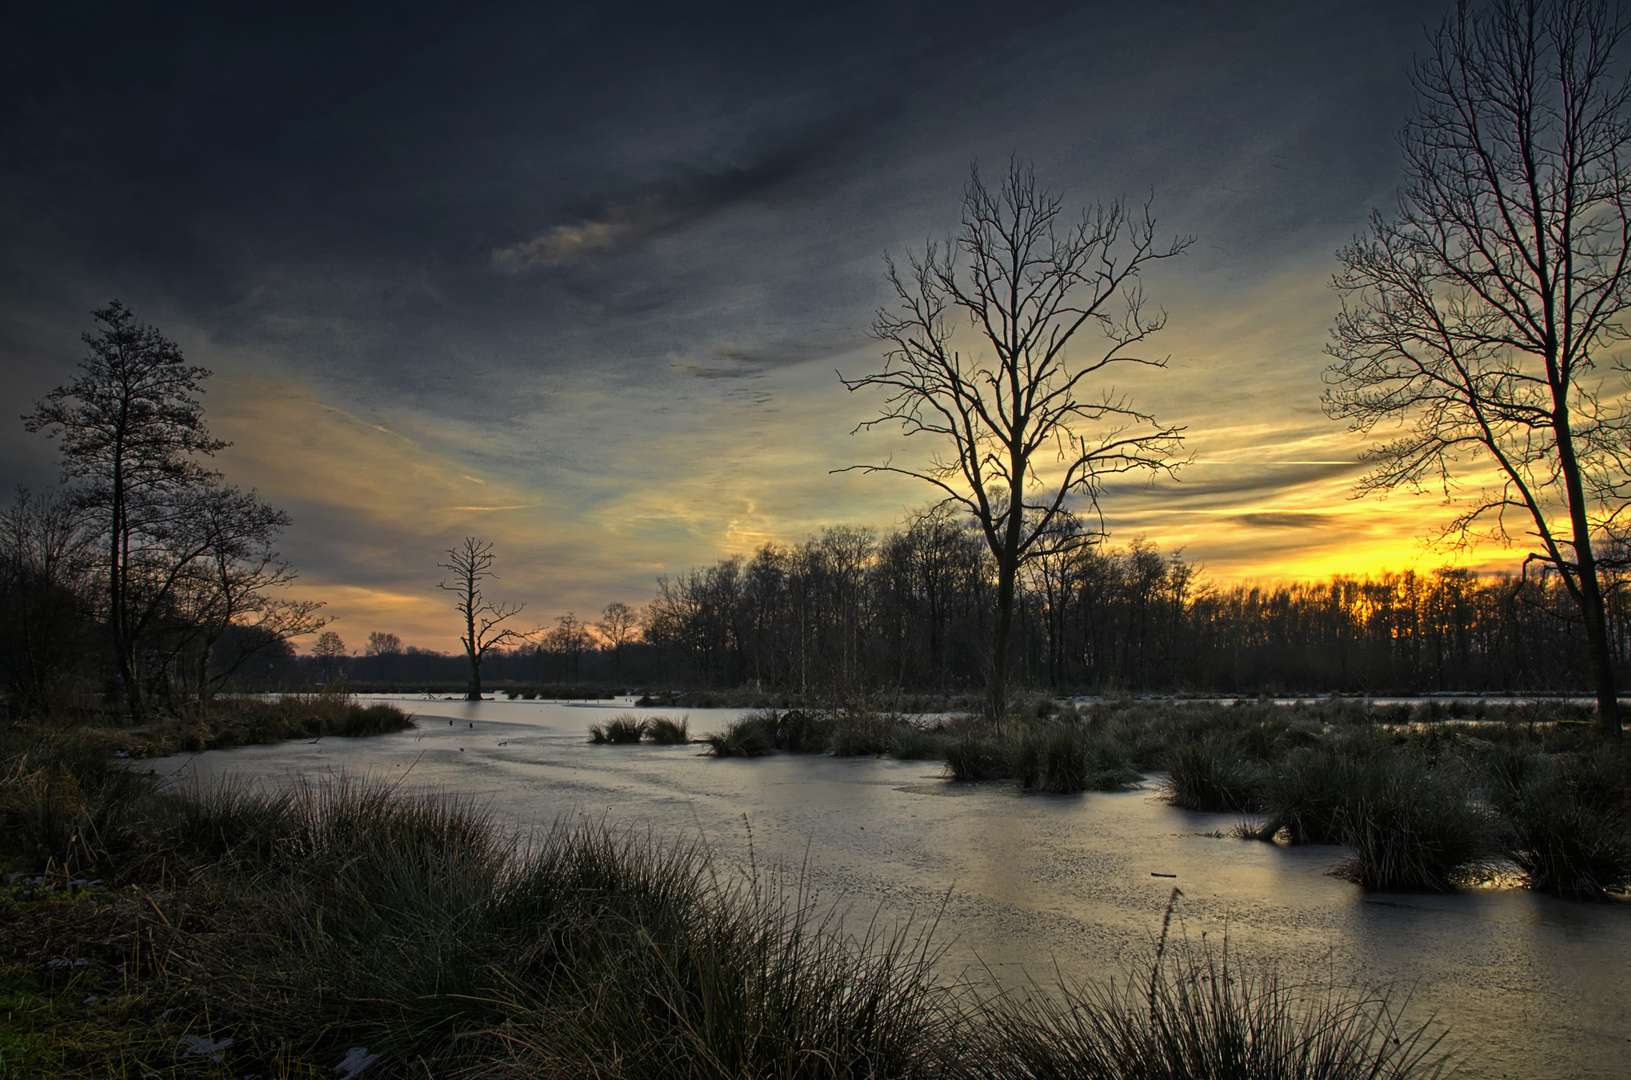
x: 1528, y: 986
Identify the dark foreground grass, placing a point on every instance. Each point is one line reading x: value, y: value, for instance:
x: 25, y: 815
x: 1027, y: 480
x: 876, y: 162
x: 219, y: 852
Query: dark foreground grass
x: 1191, y: 1014
x: 233, y: 931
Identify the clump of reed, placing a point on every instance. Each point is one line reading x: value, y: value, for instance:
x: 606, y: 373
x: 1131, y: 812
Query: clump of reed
x: 1060, y: 754
x: 1567, y: 820
x: 800, y: 731
x: 1210, y: 773
x: 665, y: 731
x: 909, y: 741
x: 1301, y: 795
x: 622, y: 729
x: 1192, y: 1013
x: 974, y: 756
x: 1411, y: 828
x: 750, y: 735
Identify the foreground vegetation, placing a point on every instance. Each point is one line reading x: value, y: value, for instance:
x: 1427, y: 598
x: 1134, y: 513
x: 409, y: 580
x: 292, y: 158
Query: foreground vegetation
x: 313, y: 932
x: 1425, y: 797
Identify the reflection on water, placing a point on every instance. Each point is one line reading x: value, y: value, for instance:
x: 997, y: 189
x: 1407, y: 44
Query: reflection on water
x: 1529, y: 986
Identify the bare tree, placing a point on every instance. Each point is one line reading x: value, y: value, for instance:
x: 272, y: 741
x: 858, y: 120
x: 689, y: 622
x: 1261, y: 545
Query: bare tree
x: 132, y: 431
x: 330, y: 653
x: 382, y: 644
x: 619, y: 624
x: 1475, y: 316
x: 1022, y: 424
x: 231, y: 585
x: 567, y: 640
x: 471, y: 564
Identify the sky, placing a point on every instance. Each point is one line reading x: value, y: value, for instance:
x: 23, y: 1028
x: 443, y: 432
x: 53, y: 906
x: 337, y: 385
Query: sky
x: 580, y: 279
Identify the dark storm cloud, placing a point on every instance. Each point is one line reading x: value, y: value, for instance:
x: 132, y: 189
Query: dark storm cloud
x: 780, y: 175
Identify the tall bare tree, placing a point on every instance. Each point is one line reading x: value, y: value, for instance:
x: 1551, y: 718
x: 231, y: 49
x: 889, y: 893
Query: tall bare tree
x: 329, y: 650
x: 471, y: 564
x: 619, y: 624
x: 1023, y: 423
x: 132, y: 433
x: 1476, y: 316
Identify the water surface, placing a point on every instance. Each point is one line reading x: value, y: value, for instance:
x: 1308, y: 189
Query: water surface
x: 1528, y: 986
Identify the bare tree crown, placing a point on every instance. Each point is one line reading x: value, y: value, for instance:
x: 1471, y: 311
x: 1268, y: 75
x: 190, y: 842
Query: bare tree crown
x: 1475, y: 316
x: 1017, y: 399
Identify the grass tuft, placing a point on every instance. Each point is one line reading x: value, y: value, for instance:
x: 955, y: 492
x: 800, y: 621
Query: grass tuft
x: 622, y: 729
x: 1191, y: 1013
x: 667, y: 732
x: 751, y: 735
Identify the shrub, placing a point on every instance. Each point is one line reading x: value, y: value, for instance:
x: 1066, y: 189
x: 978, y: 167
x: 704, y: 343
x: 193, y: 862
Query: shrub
x: 665, y: 732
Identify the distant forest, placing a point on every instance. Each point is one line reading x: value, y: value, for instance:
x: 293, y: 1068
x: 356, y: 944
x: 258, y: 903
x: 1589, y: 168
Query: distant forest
x: 856, y: 611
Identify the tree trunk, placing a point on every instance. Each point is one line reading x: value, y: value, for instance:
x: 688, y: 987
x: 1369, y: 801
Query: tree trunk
x: 1602, y: 663
x: 1590, y: 595
x: 1005, y: 626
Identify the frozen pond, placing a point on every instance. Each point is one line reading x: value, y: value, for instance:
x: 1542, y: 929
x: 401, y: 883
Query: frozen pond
x: 1529, y: 986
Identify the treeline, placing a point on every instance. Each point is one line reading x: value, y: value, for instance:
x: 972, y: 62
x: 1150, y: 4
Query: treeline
x: 855, y: 610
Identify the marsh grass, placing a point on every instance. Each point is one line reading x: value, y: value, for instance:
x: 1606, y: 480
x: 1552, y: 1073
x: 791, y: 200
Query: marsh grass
x: 973, y: 756
x: 665, y: 731
x: 1411, y: 828
x: 1211, y: 773
x: 751, y: 735
x: 801, y: 731
x: 621, y: 729
x: 1568, y: 821
x: 1191, y: 1013
x: 1302, y: 795
x: 246, y: 721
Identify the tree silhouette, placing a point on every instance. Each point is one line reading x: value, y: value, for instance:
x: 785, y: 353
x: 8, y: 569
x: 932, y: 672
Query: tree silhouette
x: 471, y: 564
x: 1022, y: 424
x: 131, y: 431
x: 329, y: 650
x: 619, y: 624
x: 1476, y: 315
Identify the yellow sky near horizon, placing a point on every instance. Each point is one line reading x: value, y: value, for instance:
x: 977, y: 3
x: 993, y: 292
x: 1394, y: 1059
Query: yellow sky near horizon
x: 1266, y: 496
